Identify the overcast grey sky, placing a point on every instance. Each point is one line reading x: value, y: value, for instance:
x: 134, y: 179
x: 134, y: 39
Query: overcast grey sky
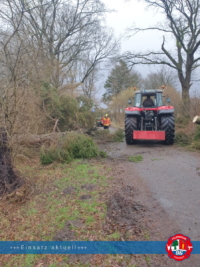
x: 127, y: 13
x: 133, y: 11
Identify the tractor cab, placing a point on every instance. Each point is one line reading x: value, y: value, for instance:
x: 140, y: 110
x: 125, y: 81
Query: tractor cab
x: 154, y: 95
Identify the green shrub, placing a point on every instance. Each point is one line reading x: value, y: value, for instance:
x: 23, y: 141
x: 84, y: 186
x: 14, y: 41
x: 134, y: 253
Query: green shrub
x: 196, y: 144
x: 62, y: 155
x: 68, y: 148
x: 196, y: 139
x: 81, y: 146
x: 118, y: 136
x: 104, y: 135
x: 47, y: 156
x: 182, y: 139
x: 103, y: 154
x: 197, y: 134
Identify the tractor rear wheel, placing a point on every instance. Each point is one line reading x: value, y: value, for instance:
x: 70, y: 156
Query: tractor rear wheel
x: 167, y: 125
x: 130, y: 126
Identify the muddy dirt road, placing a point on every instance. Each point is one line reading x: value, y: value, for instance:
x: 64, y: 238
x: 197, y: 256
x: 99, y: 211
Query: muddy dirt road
x: 170, y: 176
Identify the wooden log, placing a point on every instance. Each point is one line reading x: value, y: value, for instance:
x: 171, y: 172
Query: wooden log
x: 196, y: 120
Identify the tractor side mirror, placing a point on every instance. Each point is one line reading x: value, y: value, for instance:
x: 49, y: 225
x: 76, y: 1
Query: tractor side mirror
x: 168, y: 100
x: 129, y: 101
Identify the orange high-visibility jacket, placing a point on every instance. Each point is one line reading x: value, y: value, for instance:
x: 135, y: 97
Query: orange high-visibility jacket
x: 106, y: 121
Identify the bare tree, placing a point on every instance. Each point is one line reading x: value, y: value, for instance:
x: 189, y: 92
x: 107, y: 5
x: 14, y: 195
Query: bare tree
x: 89, y: 85
x: 44, y: 42
x: 183, y: 24
x: 66, y: 32
x: 165, y: 76
x: 17, y: 96
x: 18, y: 72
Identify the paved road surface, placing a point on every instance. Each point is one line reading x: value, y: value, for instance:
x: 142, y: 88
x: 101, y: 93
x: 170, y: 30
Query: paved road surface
x: 172, y: 175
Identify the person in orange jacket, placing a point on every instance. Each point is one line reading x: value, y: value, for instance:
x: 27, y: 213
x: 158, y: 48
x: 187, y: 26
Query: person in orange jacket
x: 106, y: 122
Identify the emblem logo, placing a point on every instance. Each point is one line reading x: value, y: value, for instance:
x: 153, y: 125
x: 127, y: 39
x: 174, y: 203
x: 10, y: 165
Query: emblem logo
x: 179, y: 247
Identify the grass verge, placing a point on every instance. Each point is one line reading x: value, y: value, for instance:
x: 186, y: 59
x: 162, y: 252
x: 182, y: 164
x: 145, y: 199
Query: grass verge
x: 135, y: 159
x: 51, y: 205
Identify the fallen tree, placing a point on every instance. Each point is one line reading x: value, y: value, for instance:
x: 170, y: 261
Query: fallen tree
x: 196, y: 120
x: 34, y: 139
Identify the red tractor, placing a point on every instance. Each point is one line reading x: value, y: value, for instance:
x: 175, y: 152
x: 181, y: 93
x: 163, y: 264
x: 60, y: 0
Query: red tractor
x: 149, y: 118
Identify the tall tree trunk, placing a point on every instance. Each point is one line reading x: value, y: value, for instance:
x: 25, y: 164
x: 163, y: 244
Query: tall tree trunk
x: 186, y: 101
x: 185, y: 84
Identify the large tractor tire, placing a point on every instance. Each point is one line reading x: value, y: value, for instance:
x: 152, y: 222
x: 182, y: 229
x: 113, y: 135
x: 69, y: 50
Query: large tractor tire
x: 130, y: 126
x: 167, y: 125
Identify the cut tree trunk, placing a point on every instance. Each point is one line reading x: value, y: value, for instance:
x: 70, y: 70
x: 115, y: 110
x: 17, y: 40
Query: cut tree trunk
x: 196, y: 119
x: 9, y: 180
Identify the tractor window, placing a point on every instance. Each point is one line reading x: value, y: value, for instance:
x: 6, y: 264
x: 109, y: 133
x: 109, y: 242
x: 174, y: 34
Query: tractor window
x: 137, y: 100
x: 159, y: 100
x: 151, y: 102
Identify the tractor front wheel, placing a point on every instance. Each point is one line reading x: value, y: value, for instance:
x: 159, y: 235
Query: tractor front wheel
x: 167, y: 125
x: 130, y: 126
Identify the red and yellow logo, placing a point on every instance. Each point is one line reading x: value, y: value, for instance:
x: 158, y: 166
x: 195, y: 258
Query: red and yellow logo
x: 179, y: 247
